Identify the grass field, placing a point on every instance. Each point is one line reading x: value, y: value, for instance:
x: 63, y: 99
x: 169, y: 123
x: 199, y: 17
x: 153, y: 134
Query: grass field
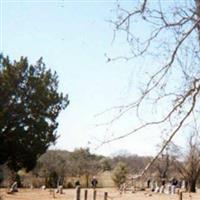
x: 113, y: 194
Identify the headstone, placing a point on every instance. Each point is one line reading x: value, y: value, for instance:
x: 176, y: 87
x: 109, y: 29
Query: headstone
x: 43, y: 187
x: 162, y: 188
x: 173, y: 189
x: 59, y: 189
x: 14, y: 187
x: 157, y: 190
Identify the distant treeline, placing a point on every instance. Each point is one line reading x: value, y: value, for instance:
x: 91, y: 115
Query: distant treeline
x: 64, y: 167
x: 60, y: 167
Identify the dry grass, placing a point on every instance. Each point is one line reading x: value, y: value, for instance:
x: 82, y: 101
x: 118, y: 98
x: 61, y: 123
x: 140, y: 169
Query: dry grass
x: 69, y: 194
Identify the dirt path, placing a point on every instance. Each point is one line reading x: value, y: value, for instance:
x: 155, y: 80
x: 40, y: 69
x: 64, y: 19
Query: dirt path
x: 69, y: 194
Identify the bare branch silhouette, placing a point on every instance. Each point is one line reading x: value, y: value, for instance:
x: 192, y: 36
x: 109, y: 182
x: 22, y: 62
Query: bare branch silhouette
x: 173, y: 38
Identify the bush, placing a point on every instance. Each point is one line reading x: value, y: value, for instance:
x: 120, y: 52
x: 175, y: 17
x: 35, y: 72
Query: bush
x: 36, y: 182
x: 18, y: 180
x: 70, y: 185
x: 119, y: 173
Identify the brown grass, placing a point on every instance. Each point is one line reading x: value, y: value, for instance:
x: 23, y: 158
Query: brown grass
x: 113, y: 194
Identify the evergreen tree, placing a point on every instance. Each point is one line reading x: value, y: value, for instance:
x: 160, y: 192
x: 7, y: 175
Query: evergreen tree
x: 29, y: 105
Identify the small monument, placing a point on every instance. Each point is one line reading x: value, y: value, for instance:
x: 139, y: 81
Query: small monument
x: 13, y: 188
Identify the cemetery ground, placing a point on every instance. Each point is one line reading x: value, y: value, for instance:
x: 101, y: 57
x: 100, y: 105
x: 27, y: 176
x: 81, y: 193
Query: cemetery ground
x: 113, y: 194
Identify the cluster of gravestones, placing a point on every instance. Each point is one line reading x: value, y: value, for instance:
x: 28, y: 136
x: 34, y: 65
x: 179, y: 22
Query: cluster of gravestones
x: 169, y: 188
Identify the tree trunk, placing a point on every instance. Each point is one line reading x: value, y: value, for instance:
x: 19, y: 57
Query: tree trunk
x: 87, y: 180
x: 192, y: 185
x: 198, y: 16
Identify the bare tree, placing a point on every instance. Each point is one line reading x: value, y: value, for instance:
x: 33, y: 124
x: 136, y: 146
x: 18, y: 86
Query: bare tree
x: 84, y: 163
x: 165, y: 166
x: 170, y: 39
x: 54, y: 166
x: 189, y: 165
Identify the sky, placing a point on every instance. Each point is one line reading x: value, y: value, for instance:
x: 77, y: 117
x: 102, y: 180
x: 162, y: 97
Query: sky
x: 74, y: 38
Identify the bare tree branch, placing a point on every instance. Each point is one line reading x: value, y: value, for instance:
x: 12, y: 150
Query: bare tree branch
x: 196, y: 92
x: 170, y: 34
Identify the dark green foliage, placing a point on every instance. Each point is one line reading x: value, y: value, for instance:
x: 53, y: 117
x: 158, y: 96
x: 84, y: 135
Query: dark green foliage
x: 29, y: 106
x: 18, y: 180
x: 1, y: 176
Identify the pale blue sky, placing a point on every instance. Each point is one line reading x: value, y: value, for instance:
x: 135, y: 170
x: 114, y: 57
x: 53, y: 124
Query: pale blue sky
x: 73, y: 37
